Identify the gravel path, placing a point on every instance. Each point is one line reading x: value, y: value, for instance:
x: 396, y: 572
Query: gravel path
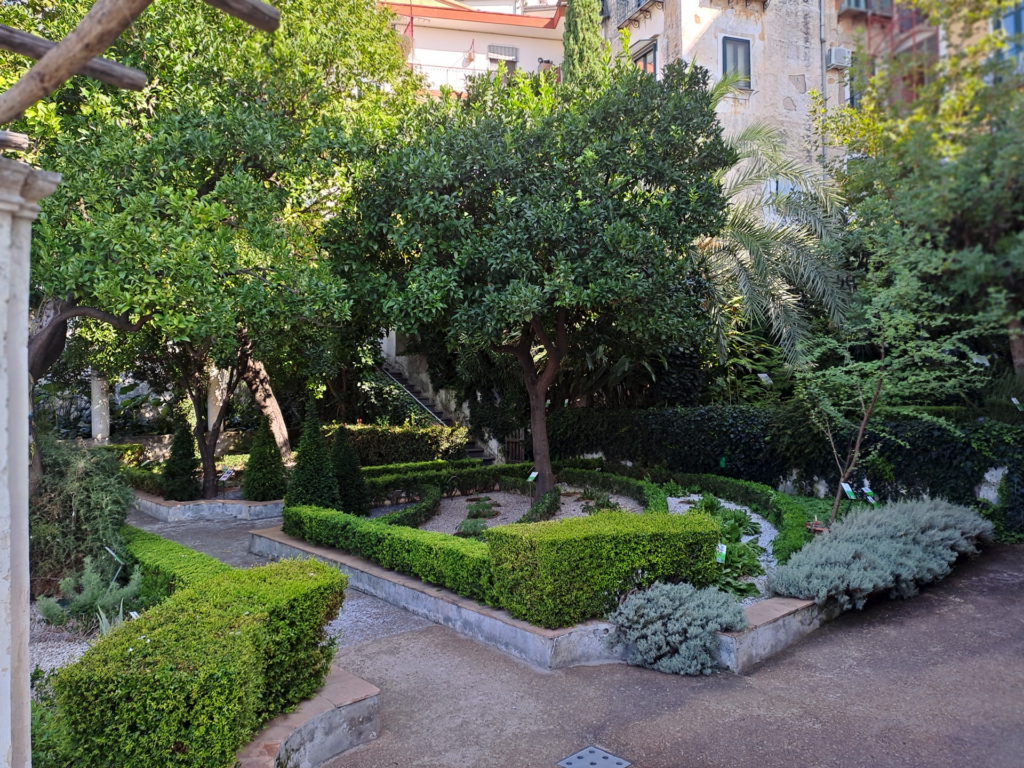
x: 52, y: 647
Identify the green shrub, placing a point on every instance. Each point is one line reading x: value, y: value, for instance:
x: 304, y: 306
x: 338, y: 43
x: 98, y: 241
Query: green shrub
x: 478, y: 479
x: 418, y: 513
x: 481, y: 509
x: 557, y: 574
x: 644, y: 492
x: 128, y: 454
x: 377, y: 445
x: 313, y: 481
x: 893, y: 549
x: 78, y: 509
x: 671, y: 627
x: 545, y: 508
x: 167, y: 566
x: 142, y: 479
x: 189, y: 682
x: 93, y: 590
x: 461, y: 565
x: 420, y: 466
x: 351, y: 485
x: 471, y: 528
x: 181, y: 472
x: 264, y: 477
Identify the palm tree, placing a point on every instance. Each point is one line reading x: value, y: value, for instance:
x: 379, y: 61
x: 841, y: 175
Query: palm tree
x: 775, y: 249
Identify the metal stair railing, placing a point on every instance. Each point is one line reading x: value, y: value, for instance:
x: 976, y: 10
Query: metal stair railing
x: 422, y: 405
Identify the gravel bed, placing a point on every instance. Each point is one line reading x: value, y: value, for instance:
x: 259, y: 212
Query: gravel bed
x: 49, y: 647
x: 572, y: 505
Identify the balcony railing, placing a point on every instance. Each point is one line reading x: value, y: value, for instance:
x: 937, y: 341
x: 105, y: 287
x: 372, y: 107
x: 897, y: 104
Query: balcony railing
x: 436, y: 76
x: 631, y: 12
x: 863, y: 7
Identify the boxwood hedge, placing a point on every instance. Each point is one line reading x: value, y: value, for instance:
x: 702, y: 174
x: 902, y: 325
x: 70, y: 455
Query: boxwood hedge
x: 557, y: 574
x: 189, y: 682
x: 166, y: 565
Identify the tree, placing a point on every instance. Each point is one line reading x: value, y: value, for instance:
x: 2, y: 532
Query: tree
x: 264, y: 477
x: 936, y: 146
x: 583, y: 46
x: 351, y: 484
x: 525, y: 214
x: 192, y: 209
x: 180, y: 475
x: 313, y: 482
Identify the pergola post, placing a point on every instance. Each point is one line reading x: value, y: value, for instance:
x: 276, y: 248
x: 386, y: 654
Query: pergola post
x: 21, y: 188
x: 100, y: 408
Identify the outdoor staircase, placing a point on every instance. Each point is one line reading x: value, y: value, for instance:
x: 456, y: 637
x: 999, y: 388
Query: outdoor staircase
x: 473, y: 448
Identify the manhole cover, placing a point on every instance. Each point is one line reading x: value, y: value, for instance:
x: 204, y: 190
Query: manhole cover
x: 589, y: 756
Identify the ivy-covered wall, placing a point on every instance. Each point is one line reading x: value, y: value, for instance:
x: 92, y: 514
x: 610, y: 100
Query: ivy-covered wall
x: 903, y: 455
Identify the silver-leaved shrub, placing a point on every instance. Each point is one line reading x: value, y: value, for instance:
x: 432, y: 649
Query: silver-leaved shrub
x: 895, y: 549
x: 670, y: 627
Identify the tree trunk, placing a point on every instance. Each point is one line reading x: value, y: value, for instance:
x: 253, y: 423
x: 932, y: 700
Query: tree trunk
x: 256, y: 378
x: 1016, y: 329
x: 541, y: 450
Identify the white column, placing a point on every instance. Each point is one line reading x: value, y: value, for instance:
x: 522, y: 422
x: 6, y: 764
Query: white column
x: 215, y: 396
x: 100, y: 408
x: 20, y: 189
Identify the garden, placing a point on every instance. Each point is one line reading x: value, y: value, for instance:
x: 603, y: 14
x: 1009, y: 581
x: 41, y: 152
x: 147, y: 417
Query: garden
x: 709, y: 371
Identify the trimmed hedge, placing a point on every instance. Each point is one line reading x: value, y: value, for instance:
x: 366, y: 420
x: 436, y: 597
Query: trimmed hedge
x: 644, y: 492
x: 557, y: 574
x: 419, y: 466
x: 378, y: 445
x: 188, y: 683
x: 143, y: 480
x: 166, y: 565
x: 461, y: 565
x: 470, y: 480
x: 418, y: 513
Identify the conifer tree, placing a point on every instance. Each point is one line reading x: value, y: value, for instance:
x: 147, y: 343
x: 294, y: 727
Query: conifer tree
x: 264, y: 478
x: 180, y: 476
x: 583, y: 44
x: 313, y: 482
x: 351, y: 485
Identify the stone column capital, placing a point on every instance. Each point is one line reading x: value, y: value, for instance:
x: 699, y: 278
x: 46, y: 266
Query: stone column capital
x: 36, y: 186
x: 12, y: 178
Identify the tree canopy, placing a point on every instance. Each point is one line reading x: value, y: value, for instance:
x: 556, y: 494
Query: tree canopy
x: 528, y: 214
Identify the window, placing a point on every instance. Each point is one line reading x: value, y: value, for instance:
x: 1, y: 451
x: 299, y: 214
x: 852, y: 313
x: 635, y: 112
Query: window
x: 736, y: 60
x: 1012, y: 24
x: 645, y: 56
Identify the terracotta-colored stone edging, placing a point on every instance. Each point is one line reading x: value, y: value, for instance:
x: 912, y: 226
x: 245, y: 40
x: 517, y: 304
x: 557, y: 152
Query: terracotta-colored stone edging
x: 773, y: 624
x: 343, y: 714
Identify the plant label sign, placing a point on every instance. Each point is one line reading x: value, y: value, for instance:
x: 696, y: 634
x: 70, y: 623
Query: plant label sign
x: 721, y: 462
x: 532, y: 477
x: 720, y: 553
x: 227, y: 474
x: 869, y: 496
x: 849, y: 491
x: 1016, y: 402
x: 765, y: 378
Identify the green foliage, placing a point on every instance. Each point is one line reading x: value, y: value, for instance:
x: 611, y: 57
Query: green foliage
x: 93, y: 590
x: 383, y: 402
x: 481, y: 509
x: 51, y: 611
x: 475, y: 479
x: 215, y: 661
x: 128, y: 454
x: 596, y: 501
x: 351, y: 484
x: 471, y: 528
x: 584, y: 47
x: 646, y: 493
x: 142, y: 479
x: 180, y: 476
x: 893, y: 549
x: 416, y: 514
x: 544, y: 508
x: 264, y: 476
x: 461, y: 565
x: 78, y: 509
x: 420, y: 466
x: 166, y: 566
x: 313, y: 479
x: 557, y: 574
x: 671, y: 627
x: 378, y: 445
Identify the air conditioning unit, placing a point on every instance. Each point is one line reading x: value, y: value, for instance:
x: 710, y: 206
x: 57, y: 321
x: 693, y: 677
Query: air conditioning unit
x: 839, y: 58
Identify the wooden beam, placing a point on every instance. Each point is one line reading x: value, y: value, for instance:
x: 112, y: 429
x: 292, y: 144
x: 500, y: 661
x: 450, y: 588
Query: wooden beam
x: 252, y: 12
x: 104, y: 70
x: 12, y: 140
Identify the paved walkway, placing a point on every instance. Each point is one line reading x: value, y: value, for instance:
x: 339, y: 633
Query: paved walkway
x: 933, y: 682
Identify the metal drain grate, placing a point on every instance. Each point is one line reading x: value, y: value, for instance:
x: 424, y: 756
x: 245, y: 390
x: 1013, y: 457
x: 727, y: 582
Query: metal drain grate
x: 589, y: 756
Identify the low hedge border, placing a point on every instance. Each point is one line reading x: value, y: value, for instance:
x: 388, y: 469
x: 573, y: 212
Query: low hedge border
x: 377, y: 445
x: 461, y: 565
x: 647, y: 494
x: 559, y: 574
x: 143, y: 480
x: 189, y: 682
x: 465, y: 481
x: 166, y: 565
x: 419, y: 466
x: 418, y: 513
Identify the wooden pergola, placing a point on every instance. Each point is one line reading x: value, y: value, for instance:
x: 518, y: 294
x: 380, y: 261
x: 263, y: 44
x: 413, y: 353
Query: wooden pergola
x: 21, y: 187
